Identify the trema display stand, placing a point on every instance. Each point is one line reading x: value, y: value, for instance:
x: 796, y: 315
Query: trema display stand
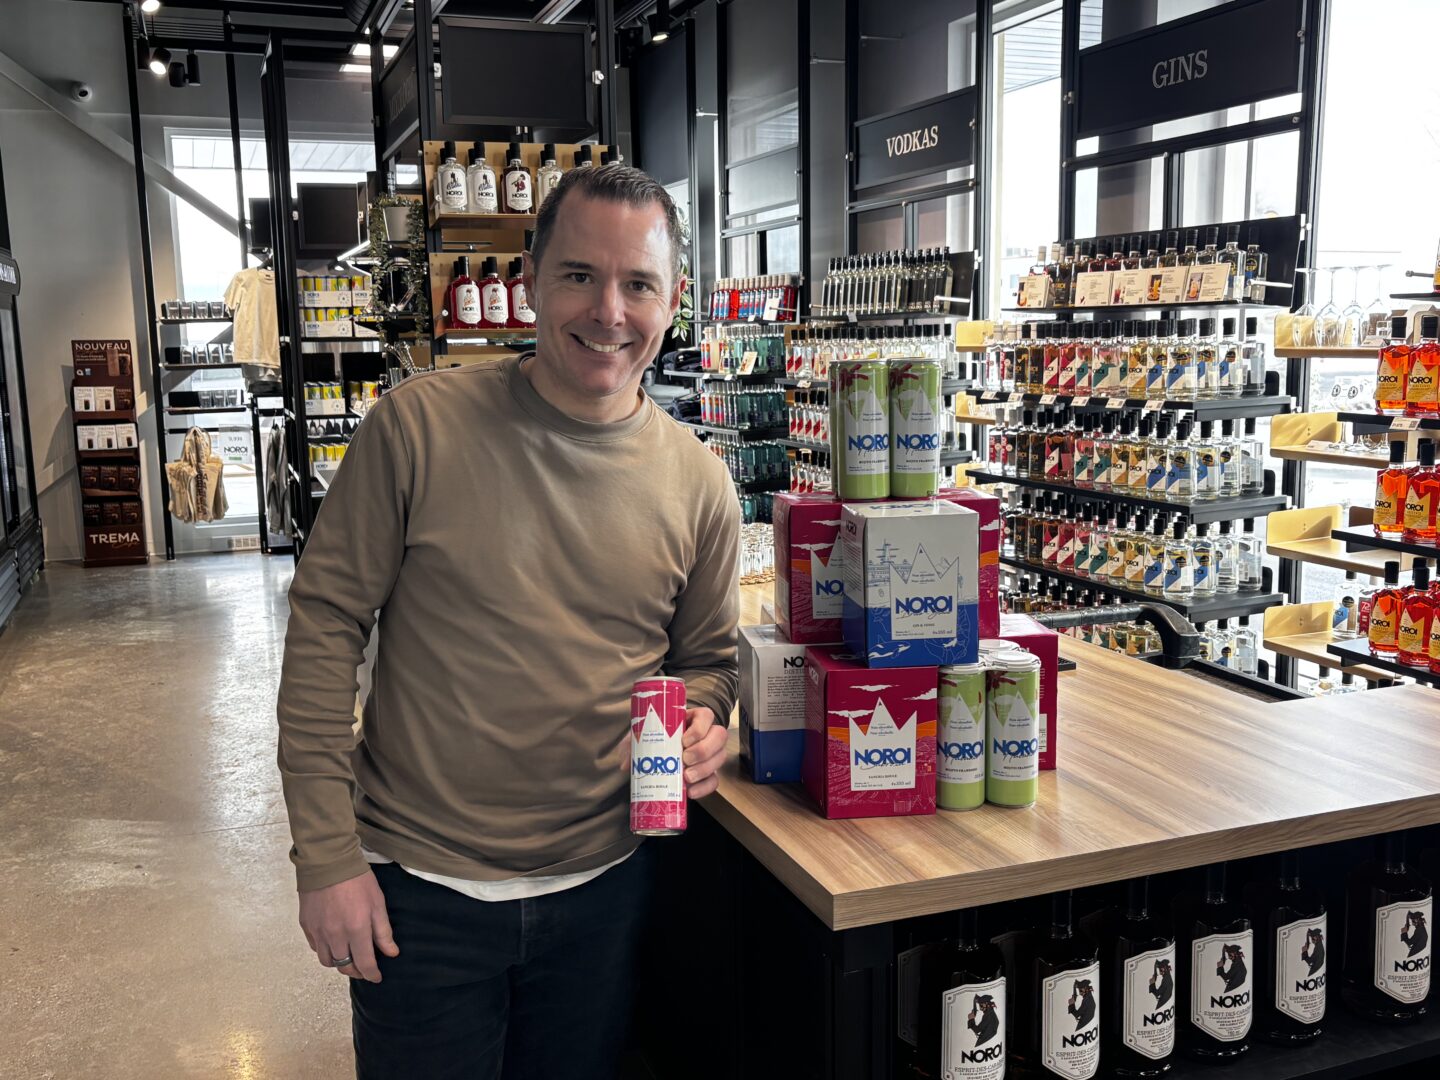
x: 107, y: 450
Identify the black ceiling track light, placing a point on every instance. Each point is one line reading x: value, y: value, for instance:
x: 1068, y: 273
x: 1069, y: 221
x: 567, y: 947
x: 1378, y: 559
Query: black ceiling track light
x: 192, y: 69
x: 160, y: 60
x: 659, y: 23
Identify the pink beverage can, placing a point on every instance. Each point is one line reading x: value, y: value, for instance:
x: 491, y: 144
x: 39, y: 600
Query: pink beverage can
x: 657, y: 771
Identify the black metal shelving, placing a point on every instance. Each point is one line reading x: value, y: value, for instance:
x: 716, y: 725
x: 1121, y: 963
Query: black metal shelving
x: 1360, y: 536
x: 1236, y: 408
x: 773, y: 432
x: 1377, y: 421
x: 802, y: 444
x: 1202, y: 512
x: 716, y: 376
x: 1124, y: 309
x: 1222, y: 606
x: 1358, y: 652
x: 886, y: 316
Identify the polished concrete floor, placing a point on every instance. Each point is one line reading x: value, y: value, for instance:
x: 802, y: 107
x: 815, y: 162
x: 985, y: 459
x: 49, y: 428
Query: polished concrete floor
x: 147, y: 906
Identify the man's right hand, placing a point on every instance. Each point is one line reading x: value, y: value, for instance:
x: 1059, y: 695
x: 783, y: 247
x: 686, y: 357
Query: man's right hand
x: 348, y: 919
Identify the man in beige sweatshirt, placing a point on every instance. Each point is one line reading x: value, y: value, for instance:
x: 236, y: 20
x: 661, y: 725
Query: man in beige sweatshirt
x: 536, y: 536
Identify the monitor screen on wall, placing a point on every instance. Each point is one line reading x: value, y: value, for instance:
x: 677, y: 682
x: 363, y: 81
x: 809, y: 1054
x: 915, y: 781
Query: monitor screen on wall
x: 260, y: 225
x: 507, y: 73
x: 329, y: 220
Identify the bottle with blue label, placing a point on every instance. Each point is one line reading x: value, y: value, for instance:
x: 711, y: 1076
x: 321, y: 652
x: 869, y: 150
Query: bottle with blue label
x: 1179, y: 583
x: 1154, y: 579
x: 1180, y: 374
x: 1157, y: 459
x: 1180, y: 470
x: 1157, y: 354
x: 1202, y: 562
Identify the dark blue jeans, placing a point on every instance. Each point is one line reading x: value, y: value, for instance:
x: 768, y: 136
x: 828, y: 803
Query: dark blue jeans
x: 539, y: 988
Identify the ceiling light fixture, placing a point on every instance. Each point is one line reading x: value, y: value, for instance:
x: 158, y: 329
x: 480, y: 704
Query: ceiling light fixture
x: 149, y: 7
x: 362, y: 50
x: 142, y: 54
x: 192, y: 69
x: 660, y: 23
x: 177, y: 73
x: 160, y: 60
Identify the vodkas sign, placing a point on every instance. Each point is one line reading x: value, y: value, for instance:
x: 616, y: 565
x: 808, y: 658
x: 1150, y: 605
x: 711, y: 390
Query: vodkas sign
x: 1236, y: 54
x: 927, y: 137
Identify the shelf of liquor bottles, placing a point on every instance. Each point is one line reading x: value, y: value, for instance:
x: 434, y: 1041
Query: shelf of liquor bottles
x: 890, y: 316
x: 1231, y: 408
x: 719, y: 376
x: 1379, y: 421
x: 1333, y: 352
x: 762, y: 432
x: 1220, y: 606
x: 1358, y: 652
x: 1144, y: 309
x: 948, y: 387
x: 1198, y: 512
x: 1364, y: 537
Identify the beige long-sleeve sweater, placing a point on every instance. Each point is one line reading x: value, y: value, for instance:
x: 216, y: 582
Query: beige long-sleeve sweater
x: 527, y: 568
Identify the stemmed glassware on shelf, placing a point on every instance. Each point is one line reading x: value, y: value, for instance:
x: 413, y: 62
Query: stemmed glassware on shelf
x: 1307, y: 309
x: 1353, y: 313
x: 1327, y: 319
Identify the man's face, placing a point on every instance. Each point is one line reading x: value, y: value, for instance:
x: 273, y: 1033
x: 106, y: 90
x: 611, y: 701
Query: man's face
x: 604, y: 294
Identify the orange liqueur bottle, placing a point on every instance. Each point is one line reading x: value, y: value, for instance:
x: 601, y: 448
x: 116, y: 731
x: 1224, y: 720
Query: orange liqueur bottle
x: 1390, y: 486
x: 1422, y: 384
x: 1416, y: 614
x: 1393, y: 372
x: 1385, y: 615
x: 1422, y: 493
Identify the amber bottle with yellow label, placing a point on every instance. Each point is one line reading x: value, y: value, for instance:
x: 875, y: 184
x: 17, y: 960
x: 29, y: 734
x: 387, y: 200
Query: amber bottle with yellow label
x: 1385, y: 614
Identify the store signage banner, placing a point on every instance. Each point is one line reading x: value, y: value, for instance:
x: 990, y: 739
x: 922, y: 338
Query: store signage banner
x: 1243, y: 52
x: 399, y: 93
x: 930, y: 137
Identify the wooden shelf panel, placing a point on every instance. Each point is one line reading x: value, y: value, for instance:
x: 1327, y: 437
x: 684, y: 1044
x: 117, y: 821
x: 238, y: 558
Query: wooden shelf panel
x: 1134, y: 794
x: 1316, y: 352
x: 105, y: 493
x: 1364, y: 537
x: 1328, y: 552
x: 1329, y: 457
x: 97, y: 454
x: 1314, y: 648
x: 1303, y: 631
x: 484, y: 221
x: 495, y: 157
x: 1360, y: 651
x: 115, y: 416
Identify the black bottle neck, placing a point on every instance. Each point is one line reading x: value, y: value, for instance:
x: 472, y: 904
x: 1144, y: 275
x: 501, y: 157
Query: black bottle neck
x: 1062, y: 916
x: 1215, y: 884
x: 1393, y: 853
x: 1137, y: 904
x: 1290, y: 871
x: 969, y: 936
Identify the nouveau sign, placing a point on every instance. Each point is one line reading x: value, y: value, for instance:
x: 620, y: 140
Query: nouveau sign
x: 928, y: 137
x: 1242, y: 52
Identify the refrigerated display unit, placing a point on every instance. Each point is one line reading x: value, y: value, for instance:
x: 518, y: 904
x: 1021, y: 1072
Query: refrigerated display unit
x: 21, y: 546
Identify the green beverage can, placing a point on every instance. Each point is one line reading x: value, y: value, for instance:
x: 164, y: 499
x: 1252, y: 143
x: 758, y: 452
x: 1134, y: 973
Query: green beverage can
x: 914, y: 427
x: 860, y: 429
x: 1012, y: 717
x: 960, y: 764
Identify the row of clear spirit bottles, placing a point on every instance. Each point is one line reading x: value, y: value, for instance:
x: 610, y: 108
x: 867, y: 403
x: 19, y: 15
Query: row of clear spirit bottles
x: 886, y: 282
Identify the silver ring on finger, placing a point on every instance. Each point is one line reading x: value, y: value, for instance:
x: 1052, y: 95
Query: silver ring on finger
x: 341, y: 961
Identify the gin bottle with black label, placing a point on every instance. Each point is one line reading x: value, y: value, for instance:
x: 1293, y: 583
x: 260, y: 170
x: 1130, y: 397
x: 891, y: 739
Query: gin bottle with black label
x: 1291, y: 945
x: 1138, y: 954
x: 1062, y: 1001
x: 1387, y: 937
x: 964, y: 1009
x: 1216, y: 949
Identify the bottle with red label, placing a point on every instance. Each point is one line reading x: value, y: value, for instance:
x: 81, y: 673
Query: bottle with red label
x: 1417, y: 612
x: 1422, y: 494
x: 519, y: 188
x: 494, y: 297
x: 462, y: 300
x: 521, y: 317
x: 1384, y: 622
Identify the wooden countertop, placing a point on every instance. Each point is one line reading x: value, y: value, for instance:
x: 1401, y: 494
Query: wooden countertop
x: 1158, y: 771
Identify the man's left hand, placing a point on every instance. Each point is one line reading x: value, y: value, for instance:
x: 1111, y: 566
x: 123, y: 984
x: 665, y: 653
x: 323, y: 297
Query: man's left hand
x: 704, y: 751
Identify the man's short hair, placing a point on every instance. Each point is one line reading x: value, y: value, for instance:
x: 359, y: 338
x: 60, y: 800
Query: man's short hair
x: 612, y: 183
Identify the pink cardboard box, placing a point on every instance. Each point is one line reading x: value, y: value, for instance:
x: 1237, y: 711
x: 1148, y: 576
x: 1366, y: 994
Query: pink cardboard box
x: 988, y: 507
x: 869, y: 736
x: 1044, y: 643
x: 809, y: 583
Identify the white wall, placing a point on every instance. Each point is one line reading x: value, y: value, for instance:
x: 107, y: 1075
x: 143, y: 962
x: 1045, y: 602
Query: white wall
x: 74, y: 222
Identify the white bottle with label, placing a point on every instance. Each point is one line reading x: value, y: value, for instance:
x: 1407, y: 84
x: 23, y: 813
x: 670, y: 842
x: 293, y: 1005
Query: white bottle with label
x: 519, y: 187
x: 547, y: 179
x: 451, y: 195
x: 1216, y: 950
x: 481, y: 179
x: 1067, y: 984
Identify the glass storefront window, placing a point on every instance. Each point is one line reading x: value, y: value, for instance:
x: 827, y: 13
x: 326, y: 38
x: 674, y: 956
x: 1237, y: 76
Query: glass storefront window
x: 945, y: 222
x: 880, y: 230
x: 913, y: 52
x: 1120, y: 198
x: 1241, y: 180
x: 762, y: 108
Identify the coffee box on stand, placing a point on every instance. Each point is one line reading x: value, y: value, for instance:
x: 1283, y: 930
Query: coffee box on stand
x: 772, y: 705
x: 1044, y: 643
x: 988, y: 507
x: 869, y: 736
x: 911, y: 583
x: 809, y: 587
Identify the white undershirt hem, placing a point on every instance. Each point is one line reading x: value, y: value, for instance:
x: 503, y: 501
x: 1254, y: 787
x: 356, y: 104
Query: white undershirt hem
x: 520, y: 888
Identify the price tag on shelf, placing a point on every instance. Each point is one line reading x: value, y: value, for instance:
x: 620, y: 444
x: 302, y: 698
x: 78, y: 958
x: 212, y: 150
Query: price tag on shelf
x: 802, y: 384
x: 1115, y: 403
x: 1047, y: 399
x: 1405, y: 423
x: 1015, y: 395
x: 1154, y: 406
x: 747, y: 363
x: 772, y: 309
x: 1081, y: 402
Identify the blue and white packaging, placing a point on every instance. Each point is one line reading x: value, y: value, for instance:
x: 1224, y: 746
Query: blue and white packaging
x: 772, y: 705
x: 912, y: 583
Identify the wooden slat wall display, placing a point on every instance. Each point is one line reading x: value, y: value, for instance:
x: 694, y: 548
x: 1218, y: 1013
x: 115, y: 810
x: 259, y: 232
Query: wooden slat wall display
x: 1158, y: 771
x: 1304, y: 534
x: 1292, y: 433
x: 495, y: 156
x: 442, y: 266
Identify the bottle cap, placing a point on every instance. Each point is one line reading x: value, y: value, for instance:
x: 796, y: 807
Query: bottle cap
x: 1252, y: 326
x: 1207, y: 429
x: 1207, y: 327
x: 449, y: 151
x: 549, y: 152
x: 476, y: 153
x: 1421, y: 575
x: 1232, y: 234
x: 1397, y: 327
x: 584, y: 154
x: 1397, y: 451
x: 516, y: 265
x: 513, y: 154
x: 490, y: 267
x: 1192, y: 237
x: 1187, y: 327
x: 1429, y: 326
x: 1427, y: 453
x: 1227, y: 326
x: 462, y: 265
x: 1212, y: 235
x: 1392, y: 572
